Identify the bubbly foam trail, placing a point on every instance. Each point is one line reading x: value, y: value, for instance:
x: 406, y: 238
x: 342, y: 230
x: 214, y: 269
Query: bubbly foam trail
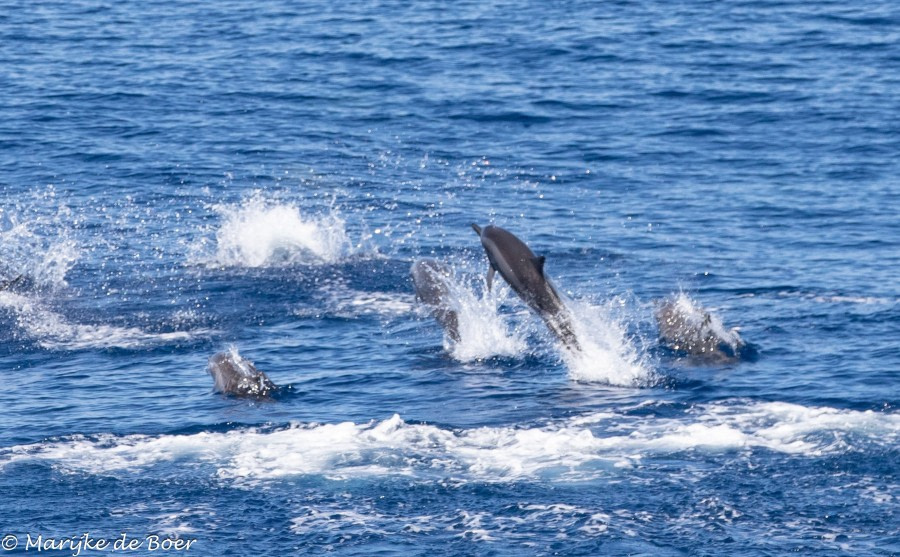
x: 607, y: 353
x: 53, y: 332
x: 258, y: 232
x: 574, y: 449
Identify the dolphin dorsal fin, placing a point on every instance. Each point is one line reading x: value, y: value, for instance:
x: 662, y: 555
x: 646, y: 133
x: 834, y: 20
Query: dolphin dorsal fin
x: 539, y: 263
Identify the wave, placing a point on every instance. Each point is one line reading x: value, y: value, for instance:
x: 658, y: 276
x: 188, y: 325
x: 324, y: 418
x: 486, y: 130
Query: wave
x: 574, y: 449
x: 259, y: 232
x: 826, y: 297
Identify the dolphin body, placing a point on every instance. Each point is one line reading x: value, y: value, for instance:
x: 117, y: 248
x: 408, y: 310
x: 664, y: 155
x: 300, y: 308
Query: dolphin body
x: 430, y: 281
x: 237, y: 376
x: 687, y: 328
x: 524, y: 272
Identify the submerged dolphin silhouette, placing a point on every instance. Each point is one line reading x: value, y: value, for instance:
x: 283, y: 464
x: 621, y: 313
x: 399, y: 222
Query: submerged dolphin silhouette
x: 430, y: 281
x: 237, y: 376
x: 524, y: 272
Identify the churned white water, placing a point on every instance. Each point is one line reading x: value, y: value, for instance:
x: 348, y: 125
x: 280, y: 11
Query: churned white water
x: 579, y: 448
x: 483, y: 331
x: 261, y: 232
x: 607, y: 353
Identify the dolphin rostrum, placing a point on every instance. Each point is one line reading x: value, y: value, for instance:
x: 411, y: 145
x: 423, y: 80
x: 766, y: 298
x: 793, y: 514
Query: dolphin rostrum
x: 237, y: 376
x: 524, y: 272
x: 430, y: 281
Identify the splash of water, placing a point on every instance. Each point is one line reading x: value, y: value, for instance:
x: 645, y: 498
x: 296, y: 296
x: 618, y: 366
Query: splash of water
x: 259, y: 232
x: 38, y: 247
x: 608, y: 354
x: 483, y: 332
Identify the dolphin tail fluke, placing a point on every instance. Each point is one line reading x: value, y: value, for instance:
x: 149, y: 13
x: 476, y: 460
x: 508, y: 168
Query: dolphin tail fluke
x: 476, y: 228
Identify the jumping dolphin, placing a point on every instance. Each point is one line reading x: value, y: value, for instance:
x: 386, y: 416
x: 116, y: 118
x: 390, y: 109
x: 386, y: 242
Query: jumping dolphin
x: 524, y: 272
x: 684, y: 326
x: 237, y: 376
x: 430, y: 281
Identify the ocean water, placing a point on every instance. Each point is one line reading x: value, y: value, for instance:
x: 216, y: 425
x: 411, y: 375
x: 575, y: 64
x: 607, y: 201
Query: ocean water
x: 184, y: 177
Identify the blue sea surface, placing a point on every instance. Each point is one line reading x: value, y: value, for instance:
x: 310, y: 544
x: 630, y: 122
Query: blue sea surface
x: 178, y: 178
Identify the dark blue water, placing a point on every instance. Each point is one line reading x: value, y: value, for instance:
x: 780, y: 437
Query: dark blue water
x: 181, y: 177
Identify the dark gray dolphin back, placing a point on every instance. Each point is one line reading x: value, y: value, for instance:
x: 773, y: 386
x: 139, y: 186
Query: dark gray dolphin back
x: 524, y: 272
x: 430, y: 280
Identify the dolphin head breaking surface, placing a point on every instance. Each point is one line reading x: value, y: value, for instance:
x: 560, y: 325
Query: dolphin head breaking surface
x: 237, y: 376
x: 524, y: 272
x: 688, y: 328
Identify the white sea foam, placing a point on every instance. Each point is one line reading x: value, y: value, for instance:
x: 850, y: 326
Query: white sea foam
x: 259, y: 232
x: 565, y: 450
x: 362, y: 517
x: 335, y: 518
x: 346, y: 302
x: 608, y: 354
x: 54, y: 332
